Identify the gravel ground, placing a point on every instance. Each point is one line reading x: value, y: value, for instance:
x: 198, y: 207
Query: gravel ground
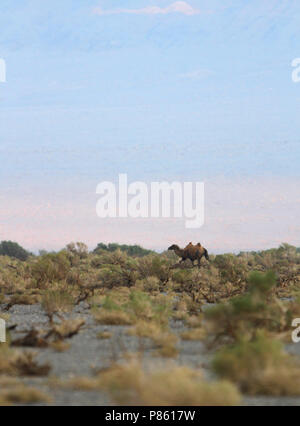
x: 88, y: 353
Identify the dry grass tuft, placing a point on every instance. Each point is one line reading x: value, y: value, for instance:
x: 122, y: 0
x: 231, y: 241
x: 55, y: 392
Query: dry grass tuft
x: 67, y: 329
x: 15, y: 363
x: 194, y: 334
x: 12, y: 391
x: 112, y: 317
x: 146, y: 329
x: 33, y: 339
x: 25, y: 364
x: 177, y: 386
x: 22, y: 394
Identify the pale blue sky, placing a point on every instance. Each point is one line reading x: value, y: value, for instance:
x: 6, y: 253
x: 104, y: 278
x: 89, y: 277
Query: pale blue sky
x: 196, y: 90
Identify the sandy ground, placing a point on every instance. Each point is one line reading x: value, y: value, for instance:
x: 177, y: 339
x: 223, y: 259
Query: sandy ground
x: 88, y: 353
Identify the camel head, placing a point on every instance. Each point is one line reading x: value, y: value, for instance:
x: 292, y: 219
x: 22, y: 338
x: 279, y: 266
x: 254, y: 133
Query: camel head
x: 174, y: 247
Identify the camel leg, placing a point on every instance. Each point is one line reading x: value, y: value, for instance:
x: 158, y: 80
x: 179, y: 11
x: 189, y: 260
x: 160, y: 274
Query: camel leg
x: 199, y: 263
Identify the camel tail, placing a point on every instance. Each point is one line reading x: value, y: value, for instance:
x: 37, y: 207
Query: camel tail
x: 206, y: 255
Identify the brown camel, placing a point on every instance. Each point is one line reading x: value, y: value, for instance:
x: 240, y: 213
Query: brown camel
x: 190, y: 252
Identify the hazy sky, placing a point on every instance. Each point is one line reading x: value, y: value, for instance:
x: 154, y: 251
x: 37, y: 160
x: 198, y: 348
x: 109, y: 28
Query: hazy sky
x: 199, y: 90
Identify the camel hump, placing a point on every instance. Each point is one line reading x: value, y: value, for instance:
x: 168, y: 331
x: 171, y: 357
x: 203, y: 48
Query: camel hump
x: 189, y: 246
x: 188, y: 249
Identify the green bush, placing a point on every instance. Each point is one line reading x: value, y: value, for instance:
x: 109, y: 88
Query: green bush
x: 111, y: 276
x: 154, y: 266
x: 131, y: 250
x: 49, y: 268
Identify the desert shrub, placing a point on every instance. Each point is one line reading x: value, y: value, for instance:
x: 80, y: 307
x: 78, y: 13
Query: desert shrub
x: 15, y: 363
x: 78, y: 249
x: 74, y: 277
x: 11, y: 249
x: 14, y: 275
x: 232, y: 268
x: 188, y: 279
x: 57, y: 302
x: 277, y: 259
x: 259, y: 366
x: 49, y: 268
x: 243, y: 314
x: 193, y: 288
x: 204, y: 285
x: 148, y: 284
x: 96, y: 261
x: 113, y: 258
x: 184, y: 277
x: 141, y: 306
x: 260, y: 285
x: 154, y: 266
x: 111, y: 276
x: 116, y: 269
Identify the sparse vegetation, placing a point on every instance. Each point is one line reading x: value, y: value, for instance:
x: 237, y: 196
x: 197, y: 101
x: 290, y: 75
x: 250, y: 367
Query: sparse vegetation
x: 163, y: 307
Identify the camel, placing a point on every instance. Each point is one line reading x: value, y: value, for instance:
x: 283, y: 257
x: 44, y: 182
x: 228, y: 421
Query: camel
x: 190, y: 252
